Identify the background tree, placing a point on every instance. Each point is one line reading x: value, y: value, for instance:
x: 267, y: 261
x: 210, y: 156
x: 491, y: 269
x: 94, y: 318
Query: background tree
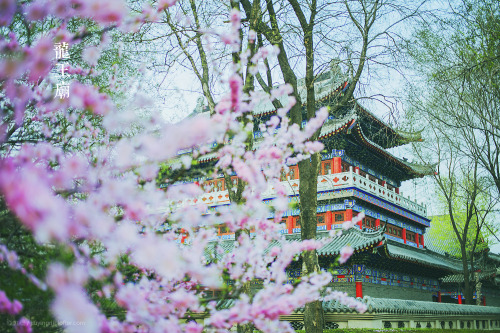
x: 457, y: 99
x: 460, y: 59
x: 465, y: 232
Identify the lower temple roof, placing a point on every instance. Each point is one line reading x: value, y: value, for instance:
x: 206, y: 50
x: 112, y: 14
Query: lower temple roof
x: 396, y: 306
x: 359, y: 240
x: 399, y: 306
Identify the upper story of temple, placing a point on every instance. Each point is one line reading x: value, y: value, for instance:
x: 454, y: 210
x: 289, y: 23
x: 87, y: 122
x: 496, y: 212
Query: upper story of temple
x: 358, y: 174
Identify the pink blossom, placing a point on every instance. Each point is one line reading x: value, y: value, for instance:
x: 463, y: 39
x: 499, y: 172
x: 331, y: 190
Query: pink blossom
x: 235, y: 85
x: 23, y: 325
x: 7, y: 11
x: 252, y: 36
x: 193, y: 327
x: 37, y: 10
x: 10, y: 69
x: 345, y: 253
x: 86, y: 97
x: 72, y: 306
x: 16, y: 307
x: 5, y: 304
x: 235, y: 18
x: 104, y: 12
x: 62, y: 8
x: 91, y: 55
x: 19, y: 95
x: 40, y: 61
x: 44, y: 213
x: 164, y: 4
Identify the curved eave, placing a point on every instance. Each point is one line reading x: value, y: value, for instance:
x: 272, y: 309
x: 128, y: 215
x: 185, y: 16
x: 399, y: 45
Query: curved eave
x: 335, y: 126
x: 413, y: 169
x: 407, y: 137
x: 399, y: 137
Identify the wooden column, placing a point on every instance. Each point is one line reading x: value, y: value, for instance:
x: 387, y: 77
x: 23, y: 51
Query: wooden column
x: 329, y: 220
x: 377, y: 223
x: 417, y: 238
x: 404, y: 235
x: 422, y: 240
x: 348, y: 215
x: 459, y: 299
x: 484, y: 301
x: 289, y: 224
x: 337, y: 165
x: 439, y: 297
x: 359, y: 289
x: 396, y: 190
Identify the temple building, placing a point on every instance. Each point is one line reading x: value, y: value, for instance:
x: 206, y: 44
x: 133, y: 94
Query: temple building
x: 393, y: 259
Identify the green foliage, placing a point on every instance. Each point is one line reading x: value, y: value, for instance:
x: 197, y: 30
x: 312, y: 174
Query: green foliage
x: 34, y: 256
x: 442, y: 232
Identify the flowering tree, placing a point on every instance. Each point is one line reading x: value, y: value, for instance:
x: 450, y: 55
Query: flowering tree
x: 90, y: 188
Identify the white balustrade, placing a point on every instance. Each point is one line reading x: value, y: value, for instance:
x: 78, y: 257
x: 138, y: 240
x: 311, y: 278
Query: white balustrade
x: 325, y: 183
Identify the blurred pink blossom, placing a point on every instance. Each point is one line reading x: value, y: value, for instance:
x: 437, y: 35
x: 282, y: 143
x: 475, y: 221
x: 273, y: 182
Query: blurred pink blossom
x: 23, y: 325
x: 7, y: 11
x: 91, y: 55
x: 345, y: 253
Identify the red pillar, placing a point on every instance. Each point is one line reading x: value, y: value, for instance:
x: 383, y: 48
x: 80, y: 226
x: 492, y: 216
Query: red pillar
x: 359, y: 289
x: 377, y: 223
x: 329, y: 220
x: 422, y: 240
x: 459, y: 299
x: 289, y: 224
x: 418, y: 240
x: 337, y: 165
x: 356, y: 170
x: 396, y: 190
x: 484, y: 300
x: 404, y: 235
x: 360, y: 224
x: 439, y: 297
x: 348, y: 214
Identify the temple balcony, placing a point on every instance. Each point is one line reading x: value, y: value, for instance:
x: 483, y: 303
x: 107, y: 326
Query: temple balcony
x: 352, y: 179
x: 327, y: 189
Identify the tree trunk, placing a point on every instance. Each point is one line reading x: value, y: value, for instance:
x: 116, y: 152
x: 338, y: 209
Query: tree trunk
x: 313, y: 317
x: 467, y: 285
x: 245, y: 328
x: 308, y: 170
